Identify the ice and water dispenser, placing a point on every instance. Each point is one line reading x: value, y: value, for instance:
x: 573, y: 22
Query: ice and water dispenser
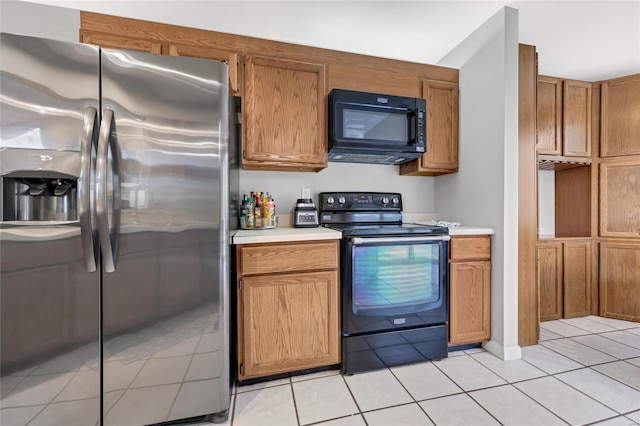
x: 39, y: 199
x: 36, y: 189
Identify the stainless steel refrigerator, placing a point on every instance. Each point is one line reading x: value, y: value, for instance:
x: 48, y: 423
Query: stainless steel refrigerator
x: 114, y: 235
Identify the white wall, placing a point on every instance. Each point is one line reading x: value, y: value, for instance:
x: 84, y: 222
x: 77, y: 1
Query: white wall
x: 417, y: 192
x: 546, y: 203
x: 583, y: 40
x: 39, y: 20
x: 485, y: 190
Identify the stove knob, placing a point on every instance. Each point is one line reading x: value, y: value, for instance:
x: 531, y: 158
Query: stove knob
x: 341, y: 200
x: 385, y: 200
x: 396, y: 200
x: 330, y: 200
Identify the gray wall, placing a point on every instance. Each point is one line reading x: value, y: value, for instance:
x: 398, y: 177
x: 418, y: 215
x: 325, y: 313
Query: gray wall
x: 39, y: 20
x: 417, y: 191
x: 485, y: 190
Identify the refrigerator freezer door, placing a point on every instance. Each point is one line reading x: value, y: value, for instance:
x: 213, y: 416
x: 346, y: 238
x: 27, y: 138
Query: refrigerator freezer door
x: 165, y: 305
x: 49, y: 302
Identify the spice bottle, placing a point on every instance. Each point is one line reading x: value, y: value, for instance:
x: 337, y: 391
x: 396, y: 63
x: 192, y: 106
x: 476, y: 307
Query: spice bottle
x: 249, y: 218
x: 257, y: 211
x: 269, y: 209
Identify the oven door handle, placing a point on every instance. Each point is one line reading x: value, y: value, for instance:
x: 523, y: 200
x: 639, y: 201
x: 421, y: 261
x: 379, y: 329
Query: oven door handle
x: 359, y: 240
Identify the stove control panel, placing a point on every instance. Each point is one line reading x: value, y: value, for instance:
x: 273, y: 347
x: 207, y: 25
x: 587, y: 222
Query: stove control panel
x: 360, y: 201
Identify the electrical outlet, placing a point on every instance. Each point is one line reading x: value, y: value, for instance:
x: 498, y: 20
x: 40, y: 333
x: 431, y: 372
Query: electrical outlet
x: 306, y: 193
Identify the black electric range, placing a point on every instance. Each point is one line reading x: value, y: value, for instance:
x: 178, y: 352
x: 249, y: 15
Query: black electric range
x: 394, y: 281
x: 369, y: 213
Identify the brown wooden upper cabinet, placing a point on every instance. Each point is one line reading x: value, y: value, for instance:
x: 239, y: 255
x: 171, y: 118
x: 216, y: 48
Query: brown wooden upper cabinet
x: 114, y: 41
x: 564, y: 117
x: 620, y: 117
x: 442, y: 131
x: 284, y: 115
x: 231, y: 58
x: 620, y: 198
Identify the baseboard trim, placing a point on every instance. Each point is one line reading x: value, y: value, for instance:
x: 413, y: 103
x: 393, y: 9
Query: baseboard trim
x: 509, y: 353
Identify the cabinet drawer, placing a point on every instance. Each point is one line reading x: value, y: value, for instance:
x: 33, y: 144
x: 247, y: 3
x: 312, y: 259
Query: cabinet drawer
x: 468, y: 248
x: 287, y: 257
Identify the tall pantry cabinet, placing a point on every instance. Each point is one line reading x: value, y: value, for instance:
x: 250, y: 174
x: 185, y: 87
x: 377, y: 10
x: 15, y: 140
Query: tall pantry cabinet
x: 619, y: 199
x: 564, y: 138
x: 589, y: 135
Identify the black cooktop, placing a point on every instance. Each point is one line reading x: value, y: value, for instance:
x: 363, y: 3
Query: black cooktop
x: 369, y: 214
x: 405, y: 229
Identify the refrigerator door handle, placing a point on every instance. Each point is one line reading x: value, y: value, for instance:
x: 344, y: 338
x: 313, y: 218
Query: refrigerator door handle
x: 108, y: 236
x: 84, y: 187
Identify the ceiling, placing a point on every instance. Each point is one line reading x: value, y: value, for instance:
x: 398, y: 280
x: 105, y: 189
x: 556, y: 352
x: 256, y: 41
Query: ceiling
x: 583, y: 40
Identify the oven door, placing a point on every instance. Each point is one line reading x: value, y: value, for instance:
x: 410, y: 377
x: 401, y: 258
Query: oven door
x: 394, y: 283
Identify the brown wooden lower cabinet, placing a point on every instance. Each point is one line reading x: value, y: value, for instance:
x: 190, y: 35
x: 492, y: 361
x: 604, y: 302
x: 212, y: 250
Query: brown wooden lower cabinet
x: 577, y: 278
x: 550, y: 280
x: 470, y: 288
x: 288, y: 314
x: 564, y: 274
x: 620, y: 279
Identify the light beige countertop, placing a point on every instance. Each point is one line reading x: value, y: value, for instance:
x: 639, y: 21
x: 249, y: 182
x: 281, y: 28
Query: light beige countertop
x: 284, y: 234
x: 458, y: 230
x: 470, y: 230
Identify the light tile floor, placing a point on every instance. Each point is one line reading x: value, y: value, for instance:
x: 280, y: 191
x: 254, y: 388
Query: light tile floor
x: 584, y: 371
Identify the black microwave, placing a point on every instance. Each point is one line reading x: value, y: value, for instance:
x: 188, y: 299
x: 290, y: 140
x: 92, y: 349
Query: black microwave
x: 375, y: 128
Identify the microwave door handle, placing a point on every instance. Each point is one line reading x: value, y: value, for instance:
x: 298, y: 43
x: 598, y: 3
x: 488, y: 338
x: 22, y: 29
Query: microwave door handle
x: 413, y: 127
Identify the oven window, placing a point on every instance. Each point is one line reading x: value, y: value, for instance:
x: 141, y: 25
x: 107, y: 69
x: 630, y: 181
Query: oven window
x: 395, y: 276
x: 374, y: 125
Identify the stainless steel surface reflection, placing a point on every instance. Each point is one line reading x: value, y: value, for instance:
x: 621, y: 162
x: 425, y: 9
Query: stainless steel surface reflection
x: 142, y: 336
x: 169, y: 135
x: 49, y: 313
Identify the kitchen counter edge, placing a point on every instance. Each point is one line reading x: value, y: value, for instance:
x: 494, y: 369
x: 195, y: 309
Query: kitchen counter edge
x: 284, y: 234
x: 469, y: 230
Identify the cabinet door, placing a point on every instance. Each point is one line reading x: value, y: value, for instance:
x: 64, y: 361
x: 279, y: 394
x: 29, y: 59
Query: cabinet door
x: 442, y: 131
x: 619, y: 119
x: 620, y: 198
x: 120, y: 42
x: 284, y: 115
x: 288, y: 322
x: 576, y: 118
x: 442, y: 125
x: 549, y: 116
x: 470, y: 302
x: 550, y: 278
x: 577, y: 278
x: 619, y: 281
x: 231, y: 58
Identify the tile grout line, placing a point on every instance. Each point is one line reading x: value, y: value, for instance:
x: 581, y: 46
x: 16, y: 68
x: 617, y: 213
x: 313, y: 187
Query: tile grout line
x: 175, y: 398
x: 466, y: 393
x: 58, y: 394
x: 588, y: 396
x: 125, y: 390
x: 355, y: 401
x: 411, y: 395
x: 613, y: 340
x: 295, y: 406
